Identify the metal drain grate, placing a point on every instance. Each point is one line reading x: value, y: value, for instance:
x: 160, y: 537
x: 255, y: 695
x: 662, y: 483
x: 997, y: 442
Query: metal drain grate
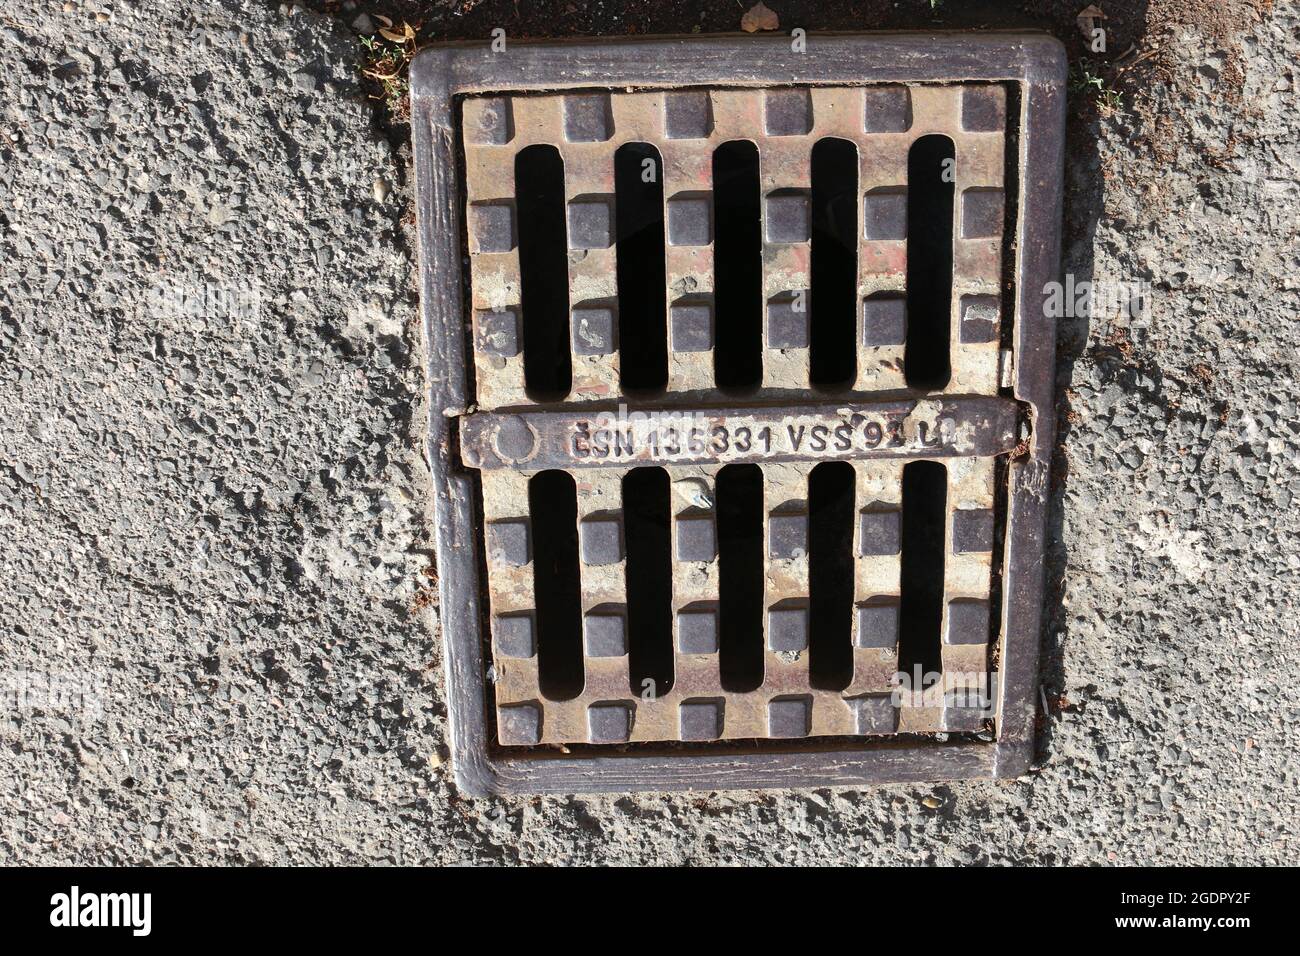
x: 754, y: 399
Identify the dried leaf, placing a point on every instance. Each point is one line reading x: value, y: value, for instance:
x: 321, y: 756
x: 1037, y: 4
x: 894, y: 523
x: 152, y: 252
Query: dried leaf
x: 383, y: 19
x: 759, y: 17
x: 381, y: 75
x: 1087, y: 19
x: 393, y: 35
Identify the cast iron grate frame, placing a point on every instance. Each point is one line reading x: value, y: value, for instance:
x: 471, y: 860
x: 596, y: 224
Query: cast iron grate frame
x: 1035, y: 66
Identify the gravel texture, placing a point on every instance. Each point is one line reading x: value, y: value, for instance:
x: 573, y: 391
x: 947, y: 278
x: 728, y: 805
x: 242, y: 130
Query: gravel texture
x: 219, y: 640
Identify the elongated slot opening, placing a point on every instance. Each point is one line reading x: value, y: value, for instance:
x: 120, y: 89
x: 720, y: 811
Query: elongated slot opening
x: 553, y: 506
x: 1011, y: 190
x: 925, y: 500
x: 927, y: 360
x: 833, y: 359
x: 737, y: 266
x: 543, y: 272
x: 639, y: 232
x: 739, y: 490
x: 647, y: 524
x: 830, y: 574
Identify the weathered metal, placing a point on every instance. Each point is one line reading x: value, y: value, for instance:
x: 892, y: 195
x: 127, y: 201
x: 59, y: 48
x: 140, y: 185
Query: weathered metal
x: 948, y: 427
x: 488, y: 436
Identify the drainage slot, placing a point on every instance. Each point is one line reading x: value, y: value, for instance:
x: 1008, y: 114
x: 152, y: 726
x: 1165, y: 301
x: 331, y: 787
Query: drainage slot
x: 925, y: 499
x: 553, y: 505
x: 737, y: 266
x: 740, y: 576
x: 1011, y: 190
x: 930, y: 175
x: 830, y: 574
x: 1001, y: 481
x: 833, y: 359
x: 646, y: 520
x: 639, y: 231
x: 543, y: 271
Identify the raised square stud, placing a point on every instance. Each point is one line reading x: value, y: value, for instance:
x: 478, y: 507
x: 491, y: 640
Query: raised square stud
x: 519, y: 725
x: 880, y: 533
x: 700, y: 719
x: 981, y: 213
x: 788, y: 217
x: 492, y: 227
x: 788, y: 112
x: 697, y: 539
x: 787, y: 322
x: 983, y: 109
x: 697, y: 631
x: 787, y: 628
x: 972, y: 530
x: 787, y: 535
x: 516, y: 635
x: 590, y: 224
x: 979, y: 319
x: 789, y: 717
x: 968, y: 622
x: 496, y: 332
x: 606, y: 635
x: 692, y: 326
x: 489, y: 121
x: 689, y: 220
x: 877, y: 625
x: 887, y: 109
x: 594, y: 330
x: 602, y: 541
x: 587, y: 118
x: 688, y: 115
x: 508, y: 543
x: 884, y: 320
x: 965, y: 710
x: 875, y: 714
x: 609, y: 723
x: 884, y: 214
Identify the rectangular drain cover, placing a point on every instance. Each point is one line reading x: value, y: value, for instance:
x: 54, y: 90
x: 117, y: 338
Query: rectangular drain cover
x: 740, y: 405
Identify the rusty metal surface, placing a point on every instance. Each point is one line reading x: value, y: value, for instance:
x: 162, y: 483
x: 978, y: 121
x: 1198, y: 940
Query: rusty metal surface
x: 880, y: 93
x: 784, y: 122
x: 948, y: 427
x: 497, y: 127
x: 695, y: 590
